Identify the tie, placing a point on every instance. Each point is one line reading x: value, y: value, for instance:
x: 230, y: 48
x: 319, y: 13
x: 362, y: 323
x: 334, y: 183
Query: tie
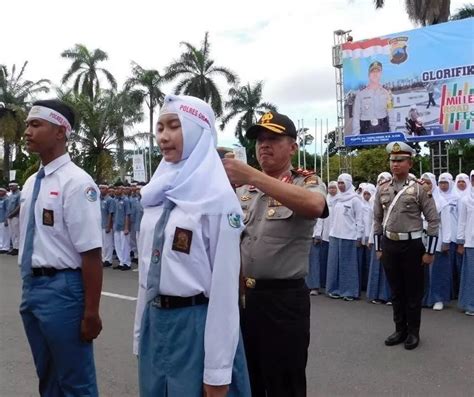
x: 154, y: 272
x: 30, y: 230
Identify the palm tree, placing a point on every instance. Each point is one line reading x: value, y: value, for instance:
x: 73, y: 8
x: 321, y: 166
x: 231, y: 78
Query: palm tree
x: 197, y: 69
x: 466, y: 11
x: 85, y: 67
x: 146, y: 83
x: 15, y: 94
x: 246, y: 103
x: 424, y: 12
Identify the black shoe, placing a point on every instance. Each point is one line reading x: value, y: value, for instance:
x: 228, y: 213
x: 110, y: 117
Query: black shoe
x: 124, y: 268
x: 396, y: 338
x: 13, y: 252
x: 3, y: 252
x: 412, y: 341
x: 106, y: 264
x: 134, y: 260
x: 117, y: 267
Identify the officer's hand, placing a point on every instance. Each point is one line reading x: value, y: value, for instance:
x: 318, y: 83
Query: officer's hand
x: 238, y: 172
x: 427, y: 259
x: 460, y: 249
x: 91, y: 325
x: 126, y: 232
x: 215, y: 391
x: 378, y: 254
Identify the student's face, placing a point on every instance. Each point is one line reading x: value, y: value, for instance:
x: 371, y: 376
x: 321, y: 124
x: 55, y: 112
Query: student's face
x: 367, y: 196
x: 274, y: 151
x: 461, y: 185
x: 341, y: 186
x: 332, y: 190
x: 103, y: 191
x: 169, y: 136
x: 375, y: 76
x: 41, y: 136
x: 2, y: 193
x: 428, y: 183
x: 444, y: 186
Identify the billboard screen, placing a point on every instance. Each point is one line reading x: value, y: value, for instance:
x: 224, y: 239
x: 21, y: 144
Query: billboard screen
x: 412, y: 86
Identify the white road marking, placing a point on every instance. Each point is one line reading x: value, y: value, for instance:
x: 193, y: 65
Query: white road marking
x: 125, y: 297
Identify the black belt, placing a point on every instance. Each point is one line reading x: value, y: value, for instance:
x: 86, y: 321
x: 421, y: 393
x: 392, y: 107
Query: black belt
x: 176, y: 302
x: 49, y: 271
x: 268, y: 284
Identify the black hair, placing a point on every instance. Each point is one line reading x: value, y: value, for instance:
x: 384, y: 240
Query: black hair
x: 60, y: 107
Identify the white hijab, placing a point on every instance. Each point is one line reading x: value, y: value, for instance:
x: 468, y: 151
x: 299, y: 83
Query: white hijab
x: 369, y: 188
x: 330, y: 199
x: 349, y: 193
x: 465, y: 178
x: 384, y: 177
x: 198, y: 183
x: 450, y: 196
x: 469, y: 198
x: 439, y: 200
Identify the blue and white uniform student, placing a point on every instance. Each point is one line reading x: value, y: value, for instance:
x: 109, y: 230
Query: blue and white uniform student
x: 187, y: 319
x: 121, y: 226
x: 466, y: 249
x: 13, y: 216
x: 4, y: 234
x: 106, y: 209
x: 60, y: 259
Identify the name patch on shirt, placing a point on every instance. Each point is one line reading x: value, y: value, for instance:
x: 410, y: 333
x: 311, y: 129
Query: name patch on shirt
x: 182, y: 240
x: 48, y: 217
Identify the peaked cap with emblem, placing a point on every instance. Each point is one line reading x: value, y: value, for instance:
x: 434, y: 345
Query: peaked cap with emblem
x: 400, y: 151
x: 273, y: 122
x: 375, y: 65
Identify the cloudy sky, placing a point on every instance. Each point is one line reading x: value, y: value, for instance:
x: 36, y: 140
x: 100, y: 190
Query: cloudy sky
x: 287, y: 44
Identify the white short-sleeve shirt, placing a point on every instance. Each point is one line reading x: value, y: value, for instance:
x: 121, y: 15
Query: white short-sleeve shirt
x: 67, y: 215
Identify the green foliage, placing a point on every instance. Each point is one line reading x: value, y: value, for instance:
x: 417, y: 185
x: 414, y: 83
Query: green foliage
x: 466, y: 11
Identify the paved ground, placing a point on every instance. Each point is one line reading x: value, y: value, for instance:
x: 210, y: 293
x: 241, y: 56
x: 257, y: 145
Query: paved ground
x: 347, y: 355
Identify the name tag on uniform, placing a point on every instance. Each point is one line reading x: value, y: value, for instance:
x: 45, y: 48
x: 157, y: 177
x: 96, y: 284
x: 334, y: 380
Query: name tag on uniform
x: 48, y: 217
x: 182, y: 240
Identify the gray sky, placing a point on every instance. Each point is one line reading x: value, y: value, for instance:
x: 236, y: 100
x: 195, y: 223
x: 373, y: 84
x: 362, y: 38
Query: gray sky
x: 287, y: 44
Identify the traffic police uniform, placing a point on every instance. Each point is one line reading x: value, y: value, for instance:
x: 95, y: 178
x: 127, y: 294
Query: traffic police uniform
x: 372, y: 109
x: 275, y: 245
x: 398, y: 228
x: 66, y: 224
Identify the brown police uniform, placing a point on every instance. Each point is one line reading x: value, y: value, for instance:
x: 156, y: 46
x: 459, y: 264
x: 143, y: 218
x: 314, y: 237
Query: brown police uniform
x: 275, y: 321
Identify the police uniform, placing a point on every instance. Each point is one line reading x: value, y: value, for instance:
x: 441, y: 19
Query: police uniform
x: 106, y: 209
x: 4, y: 235
x: 13, y: 220
x: 372, y: 109
x: 398, y: 229
x: 66, y: 224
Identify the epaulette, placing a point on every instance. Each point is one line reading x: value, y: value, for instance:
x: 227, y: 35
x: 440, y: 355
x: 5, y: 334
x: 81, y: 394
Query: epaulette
x: 303, y: 172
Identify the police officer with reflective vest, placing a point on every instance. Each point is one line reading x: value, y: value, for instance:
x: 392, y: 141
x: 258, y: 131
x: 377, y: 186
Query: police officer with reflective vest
x: 398, y: 228
x: 280, y: 206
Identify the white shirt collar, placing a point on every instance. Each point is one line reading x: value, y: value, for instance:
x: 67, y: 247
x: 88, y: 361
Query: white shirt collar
x: 56, y: 164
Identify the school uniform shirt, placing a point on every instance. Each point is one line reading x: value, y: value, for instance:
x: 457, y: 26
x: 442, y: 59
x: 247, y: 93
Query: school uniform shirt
x: 465, y: 233
x: 444, y: 234
x: 67, y: 215
x: 121, y: 210
x: 195, y: 261
x: 453, y: 219
x: 3, y: 209
x: 347, y: 222
x: 367, y: 219
x: 106, y: 208
x: 137, y: 215
x: 323, y: 226
x: 13, y: 201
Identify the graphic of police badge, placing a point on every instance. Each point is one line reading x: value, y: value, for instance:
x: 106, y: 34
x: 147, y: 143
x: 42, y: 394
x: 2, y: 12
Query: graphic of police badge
x: 398, y: 50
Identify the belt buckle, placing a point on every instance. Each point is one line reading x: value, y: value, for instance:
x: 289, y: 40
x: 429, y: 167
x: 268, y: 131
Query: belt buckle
x: 157, y: 302
x: 374, y: 122
x: 394, y: 236
x: 250, y: 282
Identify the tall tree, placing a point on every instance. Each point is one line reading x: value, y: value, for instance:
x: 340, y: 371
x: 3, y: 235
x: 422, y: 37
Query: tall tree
x: 424, y: 12
x: 16, y: 92
x: 246, y: 104
x: 147, y: 83
x: 85, y: 68
x: 466, y: 11
x: 197, y: 70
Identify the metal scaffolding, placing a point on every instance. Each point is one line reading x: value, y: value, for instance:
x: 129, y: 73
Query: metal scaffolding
x: 439, y: 157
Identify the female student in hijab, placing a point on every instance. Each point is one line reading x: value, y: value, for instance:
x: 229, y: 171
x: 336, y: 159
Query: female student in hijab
x: 347, y: 230
x: 187, y: 318
x: 461, y: 185
x: 446, y: 190
x: 378, y: 289
x: 466, y: 249
x: 318, y: 255
x: 438, y: 289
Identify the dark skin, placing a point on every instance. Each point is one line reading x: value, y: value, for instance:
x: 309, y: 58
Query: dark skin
x: 49, y: 142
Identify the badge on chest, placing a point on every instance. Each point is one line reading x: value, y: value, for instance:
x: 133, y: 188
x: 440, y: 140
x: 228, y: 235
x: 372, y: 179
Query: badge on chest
x: 48, y: 217
x: 182, y: 240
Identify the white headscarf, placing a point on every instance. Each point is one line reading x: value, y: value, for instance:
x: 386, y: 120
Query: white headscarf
x: 465, y: 178
x: 384, y: 177
x: 369, y: 188
x: 450, y: 196
x: 330, y: 199
x: 439, y: 200
x: 198, y: 183
x: 349, y: 193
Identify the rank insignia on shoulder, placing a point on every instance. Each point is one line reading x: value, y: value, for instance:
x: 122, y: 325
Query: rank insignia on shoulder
x: 235, y: 220
x: 245, y: 198
x: 411, y: 190
x: 311, y: 180
x: 182, y: 240
x: 48, y: 217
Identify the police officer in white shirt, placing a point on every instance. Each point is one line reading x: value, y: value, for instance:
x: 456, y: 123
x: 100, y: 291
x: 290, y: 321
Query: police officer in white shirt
x: 60, y: 258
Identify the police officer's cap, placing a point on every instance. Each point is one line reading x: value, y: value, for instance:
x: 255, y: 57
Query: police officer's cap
x: 273, y: 122
x: 400, y: 151
x: 375, y: 65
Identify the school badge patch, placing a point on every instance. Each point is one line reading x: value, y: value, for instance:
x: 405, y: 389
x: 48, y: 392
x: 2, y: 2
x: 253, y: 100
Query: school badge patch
x: 91, y: 194
x: 235, y: 220
x: 182, y: 240
x: 48, y: 217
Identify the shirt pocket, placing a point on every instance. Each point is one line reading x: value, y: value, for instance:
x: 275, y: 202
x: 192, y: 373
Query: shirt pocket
x: 408, y: 203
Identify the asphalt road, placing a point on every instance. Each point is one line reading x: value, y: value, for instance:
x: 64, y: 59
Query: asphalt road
x: 347, y: 354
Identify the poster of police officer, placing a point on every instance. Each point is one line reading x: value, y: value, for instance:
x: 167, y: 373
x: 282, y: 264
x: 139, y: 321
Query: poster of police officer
x: 414, y: 86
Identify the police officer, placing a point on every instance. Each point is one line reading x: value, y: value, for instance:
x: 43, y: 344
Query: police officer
x: 398, y: 229
x: 280, y: 206
x: 14, y: 216
x: 60, y: 258
x: 373, y: 106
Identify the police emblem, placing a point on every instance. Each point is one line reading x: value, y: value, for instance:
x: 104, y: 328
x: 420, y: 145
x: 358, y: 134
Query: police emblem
x: 235, y: 220
x: 398, y: 50
x: 91, y: 194
x: 396, y: 148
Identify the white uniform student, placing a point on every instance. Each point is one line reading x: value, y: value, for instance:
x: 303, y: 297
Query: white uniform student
x: 4, y: 235
x: 368, y: 196
x: 106, y: 209
x: 186, y: 330
x: 461, y: 185
x: 13, y: 216
x: 345, y: 235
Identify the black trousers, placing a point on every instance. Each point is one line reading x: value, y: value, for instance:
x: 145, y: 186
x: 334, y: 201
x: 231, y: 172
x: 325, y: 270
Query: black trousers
x: 275, y: 329
x: 366, y: 126
x: 431, y: 100
x: 402, y: 262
